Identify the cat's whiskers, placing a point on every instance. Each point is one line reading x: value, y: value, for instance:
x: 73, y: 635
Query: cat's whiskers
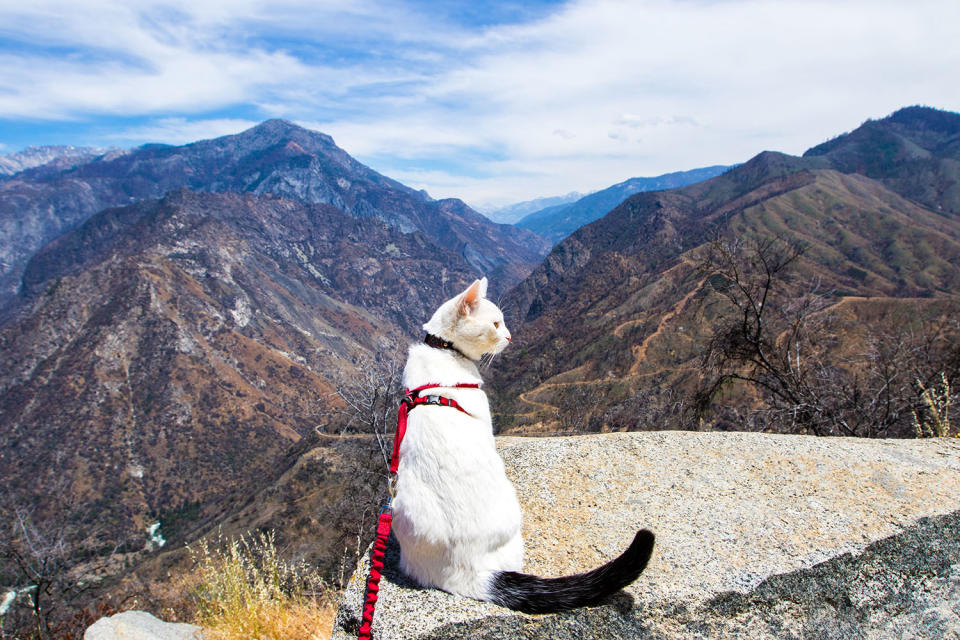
x: 486, y: 360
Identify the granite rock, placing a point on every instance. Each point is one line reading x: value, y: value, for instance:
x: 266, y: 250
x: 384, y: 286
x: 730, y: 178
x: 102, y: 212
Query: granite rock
x: 140, y: 625
x: 758, y: 536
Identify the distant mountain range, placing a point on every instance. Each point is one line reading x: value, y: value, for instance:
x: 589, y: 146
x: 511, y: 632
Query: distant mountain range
x: 177, y: 319
x: 62, y: 156
x: 555, y: 222
x: 610, y: 326
x: 275, y: 158
x: 513, y: 213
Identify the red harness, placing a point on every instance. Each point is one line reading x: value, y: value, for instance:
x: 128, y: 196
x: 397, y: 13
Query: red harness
x: 411, y: 399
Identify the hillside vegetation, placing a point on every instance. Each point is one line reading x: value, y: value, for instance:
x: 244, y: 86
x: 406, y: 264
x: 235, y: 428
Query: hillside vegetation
x: 877, y: 275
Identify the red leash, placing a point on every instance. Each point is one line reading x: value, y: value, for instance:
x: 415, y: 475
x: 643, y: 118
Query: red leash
x: 412, y: 399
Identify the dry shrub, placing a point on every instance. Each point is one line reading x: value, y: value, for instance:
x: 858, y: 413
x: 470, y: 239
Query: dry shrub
x: 246, y: 591
x: 935, y: 419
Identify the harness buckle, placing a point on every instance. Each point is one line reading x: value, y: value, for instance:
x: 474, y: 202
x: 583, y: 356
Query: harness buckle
x: 433, y: 399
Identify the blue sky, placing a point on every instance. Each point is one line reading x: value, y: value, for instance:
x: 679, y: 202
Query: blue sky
x: 493, y: 102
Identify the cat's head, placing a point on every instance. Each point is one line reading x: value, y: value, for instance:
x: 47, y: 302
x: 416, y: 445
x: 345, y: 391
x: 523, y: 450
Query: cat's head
x: 472, y: 323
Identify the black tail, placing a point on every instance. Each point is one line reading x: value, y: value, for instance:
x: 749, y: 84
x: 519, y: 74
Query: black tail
x: 531, y: 594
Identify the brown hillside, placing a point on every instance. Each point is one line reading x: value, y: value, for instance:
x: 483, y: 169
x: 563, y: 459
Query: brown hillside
x: 170, y: 355
x: 644, y: 312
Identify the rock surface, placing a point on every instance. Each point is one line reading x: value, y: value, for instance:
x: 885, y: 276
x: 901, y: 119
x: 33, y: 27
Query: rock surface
x: 140, y: 625
x: 758, y: 536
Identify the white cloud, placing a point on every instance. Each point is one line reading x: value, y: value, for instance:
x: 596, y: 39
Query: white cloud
x: 180, y: 81
x: 177, y: 56
x: 181, y: 130
x: 591, y: 94
x: 639, y: 88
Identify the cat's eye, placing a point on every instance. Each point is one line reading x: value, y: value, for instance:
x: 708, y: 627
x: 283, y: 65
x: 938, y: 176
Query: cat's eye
x: 496, y: 325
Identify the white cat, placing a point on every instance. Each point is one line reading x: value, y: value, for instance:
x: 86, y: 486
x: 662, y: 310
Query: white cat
x: 456, y: 514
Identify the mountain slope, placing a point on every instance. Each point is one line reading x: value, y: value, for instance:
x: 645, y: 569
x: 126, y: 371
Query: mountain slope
x: 276, y: 158
x: 168, y: 353
x: 558, y: 221
x: 631, y: 279
x: 179, y: 322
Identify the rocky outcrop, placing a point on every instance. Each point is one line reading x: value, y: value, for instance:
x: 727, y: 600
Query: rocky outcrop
x: 758, y: 536
x: 140, y: 625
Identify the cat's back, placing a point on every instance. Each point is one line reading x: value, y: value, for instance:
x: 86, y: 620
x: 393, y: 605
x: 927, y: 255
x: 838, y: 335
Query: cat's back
x: 449, y: 452
x: 455, y: 512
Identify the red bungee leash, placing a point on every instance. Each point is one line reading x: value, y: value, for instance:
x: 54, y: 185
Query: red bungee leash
x: 411, y: 399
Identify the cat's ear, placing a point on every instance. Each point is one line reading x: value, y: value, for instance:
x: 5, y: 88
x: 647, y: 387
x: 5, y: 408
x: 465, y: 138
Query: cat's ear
x: 483, y: 287
x: 473, y: 294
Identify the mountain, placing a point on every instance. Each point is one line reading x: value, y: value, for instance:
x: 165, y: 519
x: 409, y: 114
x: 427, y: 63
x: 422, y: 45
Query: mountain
x: 511, y: 214
x: 276, y: 158
x: 180, y: 322
x: 64, y: 156
x: 915, y: 152
x: 175, y: 349
x: 557, y: 221
x: 170, y: 352
x: 882, y: 239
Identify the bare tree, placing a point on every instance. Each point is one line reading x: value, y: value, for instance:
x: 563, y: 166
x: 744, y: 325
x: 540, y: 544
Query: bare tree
x: 37, y: 559
x: 777, y: 335
x: 372, y: 397
x: 762, y: 337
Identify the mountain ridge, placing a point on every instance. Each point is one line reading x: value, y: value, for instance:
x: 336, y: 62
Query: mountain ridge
x: 276, y: 158
x: 915, y: 151
x: 558, y: 221
x: 631, y: 277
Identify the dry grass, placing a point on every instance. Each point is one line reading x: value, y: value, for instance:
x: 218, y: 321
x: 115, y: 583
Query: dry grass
x: 935, y: 423
x: 245, y: 591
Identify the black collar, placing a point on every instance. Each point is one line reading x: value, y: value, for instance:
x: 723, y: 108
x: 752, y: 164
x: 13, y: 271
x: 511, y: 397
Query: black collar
x: 439, y: 343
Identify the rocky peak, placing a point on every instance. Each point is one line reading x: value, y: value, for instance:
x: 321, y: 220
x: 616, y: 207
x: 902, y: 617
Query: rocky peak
x: 269, y: 134
x: 276, y: 158
x: 281, y: 127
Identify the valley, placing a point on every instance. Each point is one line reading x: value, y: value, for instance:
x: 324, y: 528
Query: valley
x: 209, y: 336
